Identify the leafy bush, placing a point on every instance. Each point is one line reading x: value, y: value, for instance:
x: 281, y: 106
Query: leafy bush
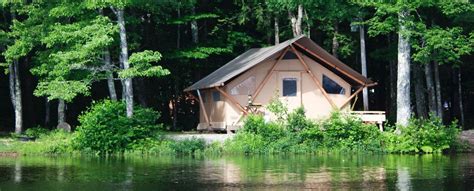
x: 105, y: 128
x: 349, y: 132
x: 423, y: 135
x: 36, y: 132
x: 188, y: 146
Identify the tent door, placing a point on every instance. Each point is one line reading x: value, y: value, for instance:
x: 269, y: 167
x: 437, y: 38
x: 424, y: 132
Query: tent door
x: 289, y: 84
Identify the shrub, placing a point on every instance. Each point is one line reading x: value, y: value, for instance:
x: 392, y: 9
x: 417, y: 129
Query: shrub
x: 36, y: 132
x: 188, y: 146
x: 346, y: 131
x: 105, y: 128
x: 423, y: 135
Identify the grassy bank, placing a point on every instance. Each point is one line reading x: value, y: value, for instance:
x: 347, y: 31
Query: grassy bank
x: 105, y: 130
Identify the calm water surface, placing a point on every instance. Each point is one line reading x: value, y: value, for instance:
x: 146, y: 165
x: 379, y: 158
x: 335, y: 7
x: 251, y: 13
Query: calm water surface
x: 294, y: 172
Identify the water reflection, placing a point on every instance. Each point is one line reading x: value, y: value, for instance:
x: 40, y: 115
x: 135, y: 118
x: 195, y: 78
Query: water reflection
x: 363, y: 172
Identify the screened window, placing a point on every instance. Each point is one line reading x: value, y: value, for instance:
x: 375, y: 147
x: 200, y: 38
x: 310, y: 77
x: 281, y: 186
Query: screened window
x: 246, y: 87
x: 216, y: 96
x: 289, y: 87
x: 289, y: 55
x: 332, y: 87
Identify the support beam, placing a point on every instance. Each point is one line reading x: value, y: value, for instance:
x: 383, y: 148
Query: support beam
x: 201, y: 103
x: 235, y: 102
x: 268, y: 75
x: 308, y: 70
x: 327, y: 62
x: 352, y: 96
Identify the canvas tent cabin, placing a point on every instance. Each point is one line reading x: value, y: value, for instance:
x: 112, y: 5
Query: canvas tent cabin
x: 297, y: 71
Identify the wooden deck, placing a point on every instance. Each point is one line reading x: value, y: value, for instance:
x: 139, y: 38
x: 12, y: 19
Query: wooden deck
x: 377, y: 117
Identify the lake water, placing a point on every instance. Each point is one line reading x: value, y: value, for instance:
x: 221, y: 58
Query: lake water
x: 292, y: 172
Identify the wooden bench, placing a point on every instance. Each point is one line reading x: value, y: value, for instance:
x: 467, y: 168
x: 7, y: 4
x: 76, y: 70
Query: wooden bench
x: 377, y: 117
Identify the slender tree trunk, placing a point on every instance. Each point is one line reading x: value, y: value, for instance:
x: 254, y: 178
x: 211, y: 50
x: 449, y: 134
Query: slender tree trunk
x: 460, y: 100
x: 439, y: 104
x: 110, y: 76
x: 15, y: 91
x: 363, y: 61
x: 128, y: 86
x: 277, y: 31
x: 335, y: 43
x: 61, y: 112
x: 47, y: 112
x: 403, y: 72
x: 430, y: 89
x: 296, y: 21
x: 419, y: 92
x: 194, y: 28
x: 299, y: 20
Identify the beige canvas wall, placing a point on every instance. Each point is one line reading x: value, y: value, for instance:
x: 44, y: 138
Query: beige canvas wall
x: 309, y: 96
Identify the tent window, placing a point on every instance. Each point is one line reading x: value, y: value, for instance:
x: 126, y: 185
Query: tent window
x: 216, y: 96
x: 289, y: 87
x: 332, y: 87
x: 246, y: 87
x: 289, y: 55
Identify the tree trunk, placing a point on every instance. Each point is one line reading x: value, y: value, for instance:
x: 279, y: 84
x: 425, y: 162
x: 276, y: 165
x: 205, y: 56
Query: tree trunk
x: 47, y: 112
x: 15, y: 91
x: 194, y: 28
x: 128, y: 86
x: 335, y: 43
x: 296, y: 21
x: 277, y: 31
x: 61, y: 112
x: 299, y: 20
x: 363, y: 62
x: 419, y: 92
x: 439, y: 104
x: 460, y: 100
x: 110, y: 76
x: 430, y: 89
x: 403, y: 72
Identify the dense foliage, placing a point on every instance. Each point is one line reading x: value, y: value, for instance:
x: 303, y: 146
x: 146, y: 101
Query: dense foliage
x: 105, y: 128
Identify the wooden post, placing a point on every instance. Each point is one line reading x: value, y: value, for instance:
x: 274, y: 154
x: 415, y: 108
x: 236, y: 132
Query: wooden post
x: 308, y: 70
x: 352, y: 96
x: 334, y: 66
x: 235, y: 102
x: 268, y: 75
x: 201, y: 103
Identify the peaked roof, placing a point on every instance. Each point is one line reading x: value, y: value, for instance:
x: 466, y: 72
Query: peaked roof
x: 254, y: 56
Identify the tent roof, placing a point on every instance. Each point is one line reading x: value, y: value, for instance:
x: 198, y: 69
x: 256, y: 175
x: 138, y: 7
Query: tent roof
x: 255, y: 56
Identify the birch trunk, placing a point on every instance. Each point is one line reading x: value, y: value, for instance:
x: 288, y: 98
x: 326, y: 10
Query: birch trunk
x: 403, y: 72
x: 295, y: 21
x: 277, y: 31
x: 335, y: 43
x: 299, y: 20
x: 363, y: 62
x: 61, y: 112
x: 110, y: 76
x: 15, y: 90
x: 430, y: 89
x: 460, y: 100
x: 439, y: 104
x: 194, y: 28
x: 419, y: 92
x: 128, y: 86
